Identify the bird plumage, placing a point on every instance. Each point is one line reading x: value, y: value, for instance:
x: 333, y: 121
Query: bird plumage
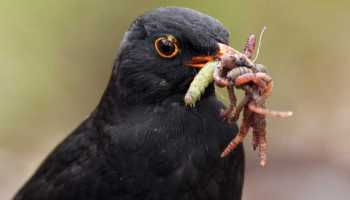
x: 142, y: 142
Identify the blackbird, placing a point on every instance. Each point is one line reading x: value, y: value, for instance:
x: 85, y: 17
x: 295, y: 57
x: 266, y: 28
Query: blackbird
x: 141, y: 141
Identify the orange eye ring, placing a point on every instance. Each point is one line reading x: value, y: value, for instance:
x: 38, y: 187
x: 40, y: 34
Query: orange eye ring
x: 167, y: 46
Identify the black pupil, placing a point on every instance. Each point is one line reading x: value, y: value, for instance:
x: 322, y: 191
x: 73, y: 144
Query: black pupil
x: 166, y: 46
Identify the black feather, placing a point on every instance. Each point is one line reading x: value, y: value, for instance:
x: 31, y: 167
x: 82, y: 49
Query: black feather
x: 142, y: 142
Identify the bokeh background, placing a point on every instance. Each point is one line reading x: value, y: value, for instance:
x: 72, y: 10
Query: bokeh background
x: 56, y: 58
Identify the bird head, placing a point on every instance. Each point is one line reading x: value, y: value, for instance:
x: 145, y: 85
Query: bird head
x: 163, y: 50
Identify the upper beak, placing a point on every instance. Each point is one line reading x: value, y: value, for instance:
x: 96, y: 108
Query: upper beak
x: 228, y: 55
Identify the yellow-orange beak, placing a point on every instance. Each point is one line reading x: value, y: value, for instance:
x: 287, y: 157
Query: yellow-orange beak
x: 228, y: 55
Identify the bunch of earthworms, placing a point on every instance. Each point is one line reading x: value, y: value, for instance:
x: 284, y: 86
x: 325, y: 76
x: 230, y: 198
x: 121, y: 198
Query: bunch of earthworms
x: 240, y: 72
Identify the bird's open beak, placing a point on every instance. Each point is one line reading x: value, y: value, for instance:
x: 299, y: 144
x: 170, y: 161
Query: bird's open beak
x: 228, y: 55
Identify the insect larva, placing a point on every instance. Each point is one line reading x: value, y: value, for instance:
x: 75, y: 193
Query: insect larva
x: 249, y: 47
x: 259, y: 68
x: 200, y: 83
x: 218, y: 76
x: 238, y: 71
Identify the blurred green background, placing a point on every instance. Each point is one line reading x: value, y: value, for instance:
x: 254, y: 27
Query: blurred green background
x: 56, y: 58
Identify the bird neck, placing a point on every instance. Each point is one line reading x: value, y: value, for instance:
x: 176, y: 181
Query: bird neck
x: 115, y: 106
x: 121, y: 97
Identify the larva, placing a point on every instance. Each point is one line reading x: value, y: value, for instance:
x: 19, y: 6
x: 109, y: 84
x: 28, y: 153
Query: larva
x: 200, y: 83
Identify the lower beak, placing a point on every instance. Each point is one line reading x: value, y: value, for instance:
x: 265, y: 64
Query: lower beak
x: 229, y: 56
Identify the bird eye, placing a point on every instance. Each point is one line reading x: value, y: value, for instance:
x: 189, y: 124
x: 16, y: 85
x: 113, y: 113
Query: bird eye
x: 167, y: 46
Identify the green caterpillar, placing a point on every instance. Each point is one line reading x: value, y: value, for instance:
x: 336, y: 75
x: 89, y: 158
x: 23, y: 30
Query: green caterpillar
x: 200, y: 83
